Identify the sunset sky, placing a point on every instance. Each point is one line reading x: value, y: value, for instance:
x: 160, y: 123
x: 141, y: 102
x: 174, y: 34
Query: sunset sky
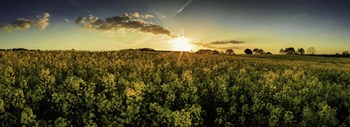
x: 176, y: 24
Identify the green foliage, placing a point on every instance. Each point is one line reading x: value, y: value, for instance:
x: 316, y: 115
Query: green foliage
x: 28, y: 118
x: 134, y: 88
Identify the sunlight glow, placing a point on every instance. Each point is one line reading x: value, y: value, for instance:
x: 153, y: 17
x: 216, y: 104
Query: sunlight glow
x: 181, y: 44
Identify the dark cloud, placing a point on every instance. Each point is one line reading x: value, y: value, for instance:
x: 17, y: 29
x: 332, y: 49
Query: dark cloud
x: 221, y: 45
x: 229, y: 47
x: 118, y: 19
x: 23, y: 24
x: 227, y: 42
x: 155, y: 29
x: 133, y: 21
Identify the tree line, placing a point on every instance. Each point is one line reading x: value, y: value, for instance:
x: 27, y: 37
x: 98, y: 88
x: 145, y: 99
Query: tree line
x: 248, y: 51
x: 285, y: 51
x: 232, y: 52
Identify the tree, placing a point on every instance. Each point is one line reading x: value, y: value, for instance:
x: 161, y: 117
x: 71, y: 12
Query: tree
x: 289, y: 51
x: 261, y: 51
x: 19, y: 49
x: 203, y: 51
x: 311, y: 50
x: 258, y: 51
x: 282, y: 51
x: 346, y: 53
x: 207, y: 51
x: 248, y: 51
x: 301, y: 51
x: 215, y: 52
x: 229, y: 51
x: 146, y: 49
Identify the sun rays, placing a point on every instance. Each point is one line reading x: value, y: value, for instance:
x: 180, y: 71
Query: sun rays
x: 182, y: 43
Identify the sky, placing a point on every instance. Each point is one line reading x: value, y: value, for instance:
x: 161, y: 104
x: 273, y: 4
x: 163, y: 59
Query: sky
x: 176, y: 24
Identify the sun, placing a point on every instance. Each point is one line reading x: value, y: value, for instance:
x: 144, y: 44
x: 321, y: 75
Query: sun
x: 181, y: 44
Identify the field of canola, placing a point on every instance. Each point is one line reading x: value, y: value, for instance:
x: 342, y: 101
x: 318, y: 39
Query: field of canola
x: 133, y: 88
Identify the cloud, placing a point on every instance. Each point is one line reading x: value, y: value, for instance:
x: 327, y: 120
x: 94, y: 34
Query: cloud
x: 43, y: 21
x: 135, y: 15
x: 221, y: 45
x: 230, y: 47
x: 227, y: 42
x: 67, y: 20
x: 88, y: 22
x: 210, y: 46
x: 23, y: 24
x: 183, y: 7
x: 148, y: 16
x: 20, y: 24
x: 7, y: 28
x: 125, y: 21
x: 138, y: 15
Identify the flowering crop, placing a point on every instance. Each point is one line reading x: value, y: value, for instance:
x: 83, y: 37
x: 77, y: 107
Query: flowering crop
x: 133, y: 88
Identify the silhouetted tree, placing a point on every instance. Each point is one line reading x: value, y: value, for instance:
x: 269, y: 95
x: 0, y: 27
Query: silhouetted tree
x: 19, y: 49
x: 146, y: 49
x: 258, y: 51
x: 255, y: 51
x: 301, y: 51
x: 261, y: 51
x: 207, y: 51
x: 203, y: 51
x: 269, y: 53
x: 311, y: 50
x: 282, y: 51
x: 289, y: 51
x: 346, y: 53
x: 248, y: 51
x: 229, y: 51
x: 215, y: 52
